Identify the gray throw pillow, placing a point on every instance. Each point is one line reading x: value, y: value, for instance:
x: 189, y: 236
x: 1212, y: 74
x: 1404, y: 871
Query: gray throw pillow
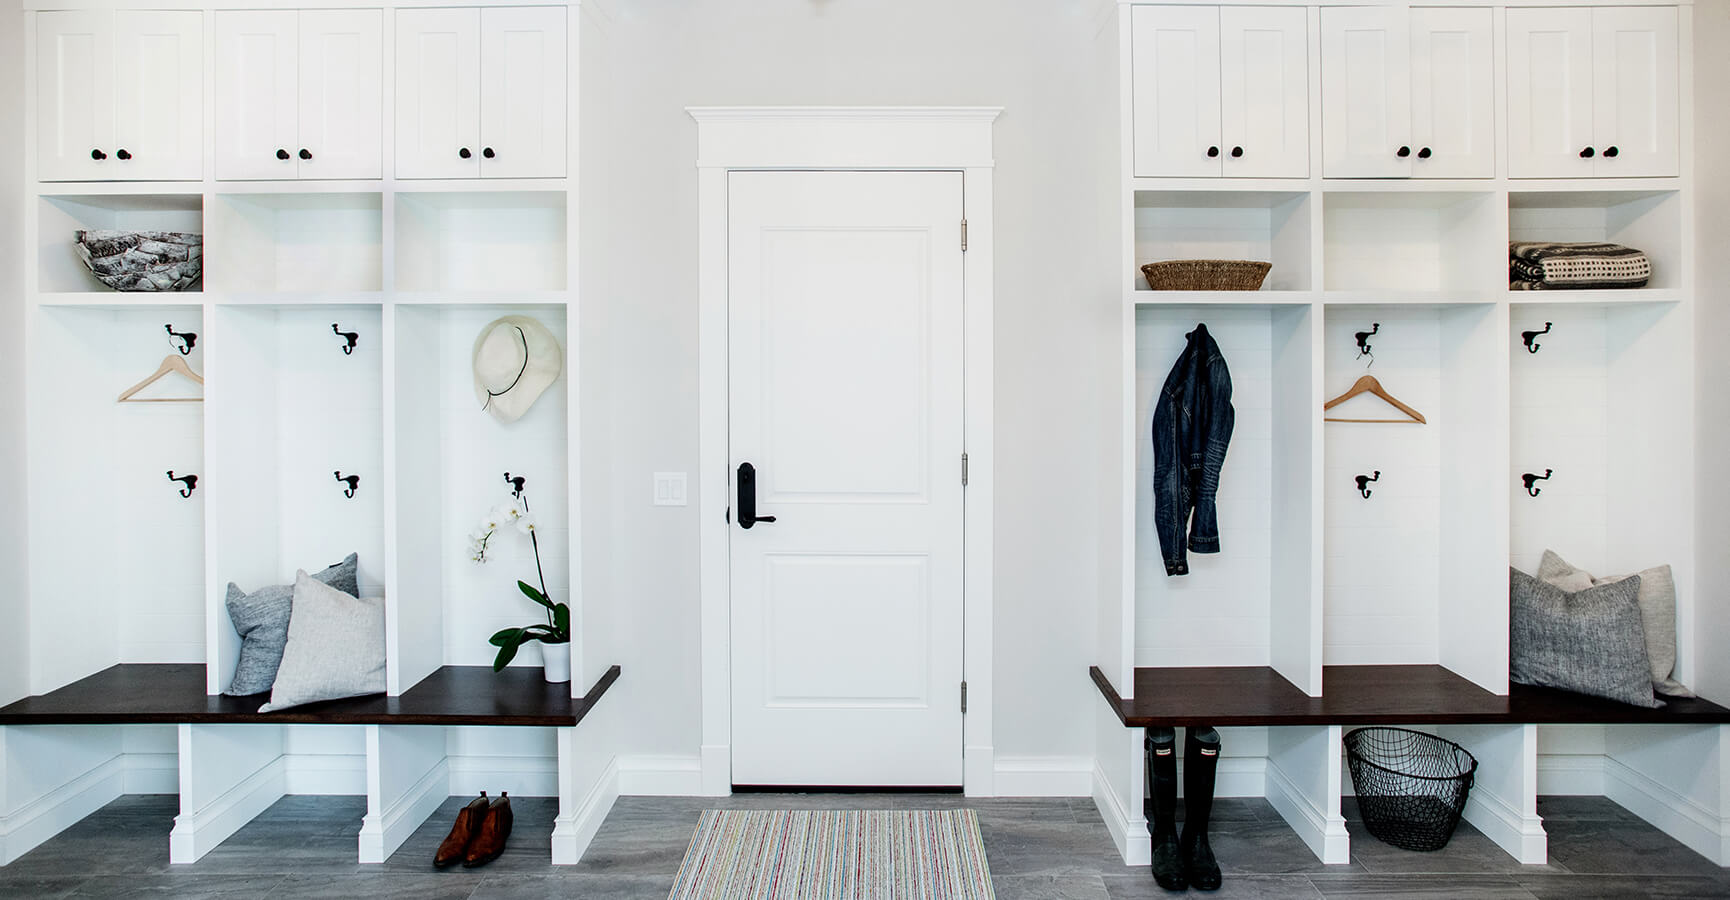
x: 261, y: 619
x: 1657, y: 613
x: 1589, y: 641
x: 335, y: 647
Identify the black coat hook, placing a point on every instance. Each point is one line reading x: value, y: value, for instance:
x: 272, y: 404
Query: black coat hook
x: 353, y: 482
x: 183, y: 341
x: 1532, y: 480
x: 349, y: 336
x: 1364, y: 342
x: 189, y: 482
x: 1364, y: 483
x: 1531, y: 337
x: 516, y: 484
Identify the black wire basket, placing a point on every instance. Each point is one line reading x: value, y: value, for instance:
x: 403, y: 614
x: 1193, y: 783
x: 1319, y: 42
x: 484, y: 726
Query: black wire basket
x: 1411, y: 786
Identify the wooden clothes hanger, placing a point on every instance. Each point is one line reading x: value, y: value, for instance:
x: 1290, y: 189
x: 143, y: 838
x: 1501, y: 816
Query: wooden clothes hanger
x: 171, y: 363
x: 1369, y: 385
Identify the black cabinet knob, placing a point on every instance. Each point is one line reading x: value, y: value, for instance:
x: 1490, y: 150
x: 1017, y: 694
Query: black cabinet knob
x: 98, y: 155
x: 1403, y: 152
x: 464, y: 153
x: 1212, y: 152
x: 305, y: 154
x: 1588, y: 153
x: 1237, y: 153
x: 282, y: 154
x: 488, y: 152
x: 1611, y: 151
x: 1424, y: 153
x: 122, y: 153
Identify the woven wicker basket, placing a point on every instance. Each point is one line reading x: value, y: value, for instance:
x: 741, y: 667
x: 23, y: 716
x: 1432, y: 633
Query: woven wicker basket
x: 1206, y: 275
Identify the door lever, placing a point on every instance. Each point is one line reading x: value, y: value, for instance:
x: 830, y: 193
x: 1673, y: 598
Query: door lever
x: 748, y: 497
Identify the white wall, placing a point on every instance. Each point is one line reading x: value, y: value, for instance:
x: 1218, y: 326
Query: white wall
x: 14, y: 661
x: 1711, y: 326
x: 1055, y: 315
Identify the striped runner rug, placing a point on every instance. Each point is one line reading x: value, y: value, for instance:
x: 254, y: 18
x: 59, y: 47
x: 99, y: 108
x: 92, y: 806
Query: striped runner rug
x: 835, y: 855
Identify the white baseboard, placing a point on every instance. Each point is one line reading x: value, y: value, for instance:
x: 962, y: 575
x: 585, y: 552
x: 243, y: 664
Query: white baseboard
x: 383, y: 833
x: 325, y: 774
x: 572, y: 833
x: 1326, y: 838
x: 660, y: 776
x: 1703, y: 831
x: 524, y: 776
x: 152, y: 773
x: 197, y: 833
x: 979, y: 772
x: 1570, y: 776
x: 717, y: 770
x: 1128, y: 832
x: 1043, y: 776
x: 48, y: 815
x: 1237, y: 776
x: 1520, y: 835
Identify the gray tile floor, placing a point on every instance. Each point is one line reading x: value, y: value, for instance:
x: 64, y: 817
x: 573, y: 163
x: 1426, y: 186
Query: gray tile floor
x: 305, y: 847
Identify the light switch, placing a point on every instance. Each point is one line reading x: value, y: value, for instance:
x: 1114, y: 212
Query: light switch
x: 669, y: 488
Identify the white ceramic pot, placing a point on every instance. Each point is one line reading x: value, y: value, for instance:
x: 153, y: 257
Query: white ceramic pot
x: 556, y: 662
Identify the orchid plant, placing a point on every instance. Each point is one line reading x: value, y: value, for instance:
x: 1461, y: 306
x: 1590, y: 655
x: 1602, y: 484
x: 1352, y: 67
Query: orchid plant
x: 557, y: 629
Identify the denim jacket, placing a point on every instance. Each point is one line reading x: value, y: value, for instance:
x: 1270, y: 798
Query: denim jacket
x: 1192, y: 422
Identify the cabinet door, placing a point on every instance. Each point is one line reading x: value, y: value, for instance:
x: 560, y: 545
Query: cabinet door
x: 523, y: 92
x: 1366, y: 93
x: 159, y: 94
x: 341, y: 93
x: 1264, y: 92
x: 1550, y: 93
x: 1634, y: 111
x: 438, y: 105
x: 1453, y: 93
x: 74, y: 108
x: 256, y: 70
x: 1174, y: 58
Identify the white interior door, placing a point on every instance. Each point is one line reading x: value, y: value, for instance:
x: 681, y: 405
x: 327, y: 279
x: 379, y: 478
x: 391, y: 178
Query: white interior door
x: 1366, y: 93
x: 1453, y: 93
x: 159, y: 95
x: 1264, y: 92
x: 1634, y: 112
x: 438, y: 100
x: 1550, y: 93
x: 523, y: 92
x: 1174, y: 58
x: 74, y: 103
x: 341, y: 93
x: 256, y: 72
x: 845, y: 394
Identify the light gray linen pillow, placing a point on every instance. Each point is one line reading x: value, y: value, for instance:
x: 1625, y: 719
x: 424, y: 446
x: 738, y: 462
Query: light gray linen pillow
x: 335, y: 647
x: 1589, y: 641
x: 1657, y: 613
x: 261, y: 618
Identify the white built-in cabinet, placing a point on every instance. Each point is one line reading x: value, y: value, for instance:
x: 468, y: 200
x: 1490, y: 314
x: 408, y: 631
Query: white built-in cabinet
x: 299, y: 94
x: 1593, y: 92
x: 480, y: 93
x: 120, y: 95
x: 1408, y: 93
x: 1221, y: 91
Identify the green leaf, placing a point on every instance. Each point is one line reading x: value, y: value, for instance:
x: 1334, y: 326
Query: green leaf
x: 507, y: 652
x: 562, y: 621
x: 507, y: 636
x: 535, y: 595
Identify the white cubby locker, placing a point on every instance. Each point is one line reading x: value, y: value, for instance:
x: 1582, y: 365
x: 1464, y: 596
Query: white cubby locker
x: 1401, y: 244
x: 1270, y: 226
x: 59, y: 217
x: 1647, y: 220
x: 481, y: 241
x: 286, y: 243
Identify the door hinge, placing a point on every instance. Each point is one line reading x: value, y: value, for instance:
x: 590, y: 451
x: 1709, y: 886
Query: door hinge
x: 963, y: 470
x: 963, y: 235
x: 963, y: 697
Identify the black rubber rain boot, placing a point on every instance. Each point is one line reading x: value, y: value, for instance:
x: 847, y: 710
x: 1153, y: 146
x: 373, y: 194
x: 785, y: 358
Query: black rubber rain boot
x: 1162, y: 808
x: 1200, y: 764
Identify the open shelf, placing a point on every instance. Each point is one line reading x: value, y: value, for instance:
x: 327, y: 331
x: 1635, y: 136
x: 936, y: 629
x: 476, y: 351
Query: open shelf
x: 285, y: 243
x: 1645, y: 220
x: 1411, y: 241
x: 1269, y: 226
x: 465, y: 241
x: 61, y: 271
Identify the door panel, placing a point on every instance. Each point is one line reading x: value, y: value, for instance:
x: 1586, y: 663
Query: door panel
x: 159, y: 94
x: 438, y: 114
x: 1634, y: 60
x: 1453, y: 93
x: 523, y: 92
x: 1549, y: 93
x: 74, y: 108
x: 1264, y: 92
x: 1176, y: 75
x: 1366, y: 93
x: 845, y: 394
x: 257, y: 55
x: 341, y: 93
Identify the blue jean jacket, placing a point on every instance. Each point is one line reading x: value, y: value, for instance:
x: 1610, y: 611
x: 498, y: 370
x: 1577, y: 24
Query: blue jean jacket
x: 1192, y: 422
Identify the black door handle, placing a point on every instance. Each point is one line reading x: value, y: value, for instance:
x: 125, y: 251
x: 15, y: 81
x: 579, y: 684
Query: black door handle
x: 1611, y: 151
x: 464, y: 153
x: 305, y: 153
x: 748, y: 497
x: 281, y: 153
x: 98, y: 155
x: 1403, y: 152
x: 1212, y: 152
x: 1587, y: 153
x: 488, y: 152
x: 1424, y: 153
x: 122, y: 153
x: 1237, y: 153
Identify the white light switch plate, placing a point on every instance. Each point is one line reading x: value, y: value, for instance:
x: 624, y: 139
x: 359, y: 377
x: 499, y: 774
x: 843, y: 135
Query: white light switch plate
x: 670, y: 489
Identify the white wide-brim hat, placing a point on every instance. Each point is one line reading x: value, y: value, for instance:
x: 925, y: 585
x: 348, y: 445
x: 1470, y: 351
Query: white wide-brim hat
x: 516, y: 358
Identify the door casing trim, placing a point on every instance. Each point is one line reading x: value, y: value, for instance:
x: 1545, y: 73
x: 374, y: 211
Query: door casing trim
x: 862, y: 139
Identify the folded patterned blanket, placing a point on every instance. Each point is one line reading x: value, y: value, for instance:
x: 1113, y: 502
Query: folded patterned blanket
x: 1536, y: 265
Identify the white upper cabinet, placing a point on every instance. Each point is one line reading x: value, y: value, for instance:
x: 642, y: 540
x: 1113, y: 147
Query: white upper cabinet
x: 120, y: 95
x: 299, y: 94
x: 1593, y: 92
x: 1220, y: 91
x: 481, y: 93
x: 1407, y: 93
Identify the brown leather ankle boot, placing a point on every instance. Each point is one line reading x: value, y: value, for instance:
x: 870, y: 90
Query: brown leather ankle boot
x: 495, y: 829
x: 462, y: 833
